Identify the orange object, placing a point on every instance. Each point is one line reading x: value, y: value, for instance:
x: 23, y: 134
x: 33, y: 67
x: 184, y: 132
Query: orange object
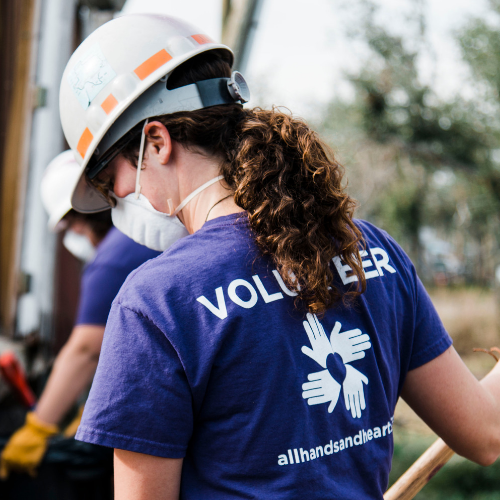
x: 84, y: 142
x: 109, y: 104
x: 202, y: 39
x: 14, y: 375
x: 152, y: 64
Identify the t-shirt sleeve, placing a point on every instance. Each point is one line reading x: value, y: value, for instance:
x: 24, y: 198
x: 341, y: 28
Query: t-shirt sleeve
x: 430, y: 338
x: 140, y: 399
x: 99, y: 286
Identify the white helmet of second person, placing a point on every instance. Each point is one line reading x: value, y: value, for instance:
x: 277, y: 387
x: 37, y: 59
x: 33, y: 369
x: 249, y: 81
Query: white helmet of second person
x: 59, y: 179
x: 118, y: 77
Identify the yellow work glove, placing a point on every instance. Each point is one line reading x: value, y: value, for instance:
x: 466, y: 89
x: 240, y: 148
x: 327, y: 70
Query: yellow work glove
x: 72, y: 427
x: 25, y: 449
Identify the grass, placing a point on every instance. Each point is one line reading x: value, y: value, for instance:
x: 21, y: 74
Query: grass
x: 469, y: 315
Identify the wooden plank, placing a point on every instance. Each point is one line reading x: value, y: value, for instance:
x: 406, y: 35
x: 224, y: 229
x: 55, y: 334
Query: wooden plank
x: 15, y: 151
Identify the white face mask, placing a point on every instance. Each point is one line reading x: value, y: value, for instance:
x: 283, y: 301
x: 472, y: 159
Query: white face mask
x: 139, y: 220
x: 79, y: 245
x: 135, y: 217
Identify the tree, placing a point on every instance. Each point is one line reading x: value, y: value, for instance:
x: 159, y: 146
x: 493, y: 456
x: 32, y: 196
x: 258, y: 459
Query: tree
x: 426, y: 139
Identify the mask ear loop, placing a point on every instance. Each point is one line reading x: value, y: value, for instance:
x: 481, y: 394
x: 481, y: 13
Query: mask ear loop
x: 139, y: 162
x: 192, y: 195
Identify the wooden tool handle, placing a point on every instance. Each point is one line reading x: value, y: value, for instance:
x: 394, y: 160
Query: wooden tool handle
x: 420, y: 473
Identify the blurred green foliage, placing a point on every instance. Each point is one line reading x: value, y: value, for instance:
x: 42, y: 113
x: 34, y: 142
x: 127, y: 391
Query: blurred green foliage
x: 480, y: 43
x: 414, y: 160
x: 459, y: 479
x: 443, y: 157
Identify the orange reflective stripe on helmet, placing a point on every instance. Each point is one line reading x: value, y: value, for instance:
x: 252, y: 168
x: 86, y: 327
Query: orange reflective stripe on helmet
x: 84, y: 142
x: 152, y: 64
x: 109, y: 104
x: 201, y: 39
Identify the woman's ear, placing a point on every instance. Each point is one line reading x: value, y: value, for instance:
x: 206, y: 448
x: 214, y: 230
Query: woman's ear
x: 159, y: 141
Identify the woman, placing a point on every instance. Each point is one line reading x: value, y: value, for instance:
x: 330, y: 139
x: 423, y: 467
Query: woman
x: 263, y: 355
x: 110, y: 256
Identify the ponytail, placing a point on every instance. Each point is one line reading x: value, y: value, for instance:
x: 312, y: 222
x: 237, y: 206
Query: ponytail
x: 286, y: 179
x: 291, y: 187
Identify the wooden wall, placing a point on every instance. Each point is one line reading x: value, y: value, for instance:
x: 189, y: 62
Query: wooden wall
x: 19, y: 20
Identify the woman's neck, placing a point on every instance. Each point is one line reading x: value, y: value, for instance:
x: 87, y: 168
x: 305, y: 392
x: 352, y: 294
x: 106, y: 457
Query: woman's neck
x: 215, y: 201
x: 194, y: 170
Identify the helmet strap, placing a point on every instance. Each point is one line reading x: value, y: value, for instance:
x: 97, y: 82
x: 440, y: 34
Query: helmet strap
x: 139, y: 161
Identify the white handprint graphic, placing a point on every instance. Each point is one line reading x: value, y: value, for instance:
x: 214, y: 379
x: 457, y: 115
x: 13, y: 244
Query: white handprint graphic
x: 354, y: 396
x: 321, y: 346
x: 322, y: 386
x: 351, y: 345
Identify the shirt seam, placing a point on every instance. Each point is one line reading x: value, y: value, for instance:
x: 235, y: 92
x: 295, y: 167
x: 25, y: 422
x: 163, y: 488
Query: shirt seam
x: 242, y: 220
x: 443, y: 341
x: 95, y: 432
x: 225, y: 224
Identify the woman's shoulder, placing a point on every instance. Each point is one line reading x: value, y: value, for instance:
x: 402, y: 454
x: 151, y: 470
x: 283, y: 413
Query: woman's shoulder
x: 121, y: 252
x: 192, y: 261
x: 371, y: 231
x: 373, y: 234
x: 383, y: 248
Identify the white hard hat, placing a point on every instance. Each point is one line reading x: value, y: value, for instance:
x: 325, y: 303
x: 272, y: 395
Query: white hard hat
x: 59, y: 179
x: 117, y: 78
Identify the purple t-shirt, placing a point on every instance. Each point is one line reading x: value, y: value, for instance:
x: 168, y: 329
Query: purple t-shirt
x: 205, y: 357
x: 115, y: 258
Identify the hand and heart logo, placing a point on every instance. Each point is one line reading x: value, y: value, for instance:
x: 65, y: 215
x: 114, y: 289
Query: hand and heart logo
x: 334, y: 355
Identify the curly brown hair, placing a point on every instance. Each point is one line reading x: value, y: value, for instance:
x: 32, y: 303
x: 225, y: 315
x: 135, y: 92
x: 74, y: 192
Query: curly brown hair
x: 286, y: 179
